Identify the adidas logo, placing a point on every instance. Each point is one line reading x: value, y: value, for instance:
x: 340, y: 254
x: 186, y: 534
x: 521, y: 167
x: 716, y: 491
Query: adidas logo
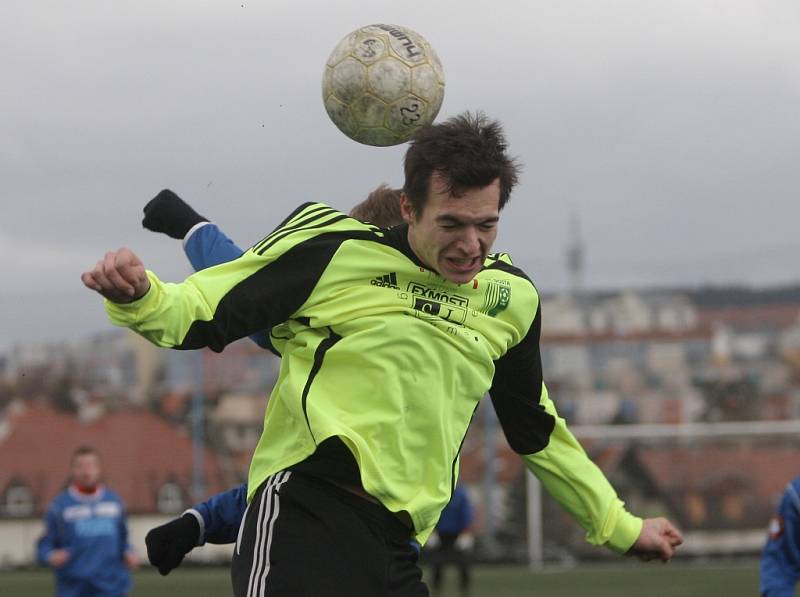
x: 386, y: 281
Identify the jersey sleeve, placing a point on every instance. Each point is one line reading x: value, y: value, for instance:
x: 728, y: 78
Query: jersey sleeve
x: 124, y: 535
x: 222, y: 515
x: 549, y: 450
x: 578, y: 484
x: 49, y: 539
x: 468, y: 512
x: 260, y: 289
x: 208, y: 246
x: 780, y: 560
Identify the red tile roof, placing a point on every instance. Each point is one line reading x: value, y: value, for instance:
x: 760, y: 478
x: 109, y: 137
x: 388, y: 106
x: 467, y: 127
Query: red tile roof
x: 139, y: 453
x: 758, y: 317
x: 766, y: 469
x: 700, y: 332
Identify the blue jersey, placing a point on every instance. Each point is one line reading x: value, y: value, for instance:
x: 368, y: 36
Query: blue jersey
x: 457, y: 514
x: 780, y: 563
x: 207, y: 246
x: 93, y: 529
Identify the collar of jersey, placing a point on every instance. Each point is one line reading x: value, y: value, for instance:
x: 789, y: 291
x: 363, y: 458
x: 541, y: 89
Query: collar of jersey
x: 87, y: 497
x: 397, y: 238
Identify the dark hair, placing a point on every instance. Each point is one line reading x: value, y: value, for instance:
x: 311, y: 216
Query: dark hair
x: 83, y: 451
x: 381, y: 207
x: 468, y: 151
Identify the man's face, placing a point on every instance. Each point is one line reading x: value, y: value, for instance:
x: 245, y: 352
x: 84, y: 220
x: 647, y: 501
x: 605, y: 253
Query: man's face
x: 453, y: 235
x: 86, y: 470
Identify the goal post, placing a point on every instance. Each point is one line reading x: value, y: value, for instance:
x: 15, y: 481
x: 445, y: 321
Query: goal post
x: 720, y: 478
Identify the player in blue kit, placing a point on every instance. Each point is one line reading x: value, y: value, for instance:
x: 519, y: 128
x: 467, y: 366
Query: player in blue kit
x: 780, y: 562
x: 86, y: 536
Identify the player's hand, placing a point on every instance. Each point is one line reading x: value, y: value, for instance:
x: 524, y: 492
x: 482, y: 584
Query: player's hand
x: 169, y: 543
x: 132, y: 560
x: 119, y: 276
x: 58, y: 557
x: 465, y: 541
x: 168, y: 213
x: 433, y: 541
x: 658, y: 539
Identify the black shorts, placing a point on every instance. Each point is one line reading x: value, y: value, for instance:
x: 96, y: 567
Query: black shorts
x: 304, y: 537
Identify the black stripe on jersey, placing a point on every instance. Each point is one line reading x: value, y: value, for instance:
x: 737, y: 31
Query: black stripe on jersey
x: 286, y: 232
x: 516, y: 392
x: 271, y: 335
x: 397, y: 238
x: 286, y: 220
x: 296, y: 213
x: 319, y: 356
x: 271, y: 347
x: 455, y: 460
x: 270, y: 295
x: 311, y: 216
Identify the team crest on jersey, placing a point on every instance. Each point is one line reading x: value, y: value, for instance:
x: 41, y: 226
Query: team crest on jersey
x: 498, y: 295
x: 775, y: 527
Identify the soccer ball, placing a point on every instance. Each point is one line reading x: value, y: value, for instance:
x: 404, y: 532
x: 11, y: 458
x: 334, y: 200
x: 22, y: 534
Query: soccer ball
x: 381, y: 83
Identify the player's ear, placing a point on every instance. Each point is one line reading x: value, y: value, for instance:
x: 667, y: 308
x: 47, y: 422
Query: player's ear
x: 406, y: 209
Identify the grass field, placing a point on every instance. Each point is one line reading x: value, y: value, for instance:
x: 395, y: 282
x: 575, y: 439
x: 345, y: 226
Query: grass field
x: 630, y: 580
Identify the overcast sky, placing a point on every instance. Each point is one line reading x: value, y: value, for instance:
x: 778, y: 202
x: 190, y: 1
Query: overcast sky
x: 670, y: 129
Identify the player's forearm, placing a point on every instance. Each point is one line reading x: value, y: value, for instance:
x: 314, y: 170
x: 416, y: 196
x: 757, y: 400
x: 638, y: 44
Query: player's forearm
x: 165, y: 314
x: 595, y: 507
x: 43, y: 551
x: 47, y: 542
x: 582, y: 489
x: 779, y: 587
x: 211, y: 308
x: 222, y: 515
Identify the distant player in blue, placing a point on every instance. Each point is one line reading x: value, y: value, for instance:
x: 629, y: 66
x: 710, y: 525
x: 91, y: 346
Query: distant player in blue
x: 780, y: 562
x: 86, y: 535
x: 454, y: 540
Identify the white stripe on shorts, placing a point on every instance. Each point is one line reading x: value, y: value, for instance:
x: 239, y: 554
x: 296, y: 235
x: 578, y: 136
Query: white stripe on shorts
x: 241, y: 530
x: 265, y: 522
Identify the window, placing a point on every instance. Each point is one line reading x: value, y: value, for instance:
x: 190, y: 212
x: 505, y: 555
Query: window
x: 170, y: 498
x: 18, y: 501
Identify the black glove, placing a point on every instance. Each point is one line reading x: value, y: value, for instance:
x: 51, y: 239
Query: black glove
x: 168, y: 213
x: 167, y: 544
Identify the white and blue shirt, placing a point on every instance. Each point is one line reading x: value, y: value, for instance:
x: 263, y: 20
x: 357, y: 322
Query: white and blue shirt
x: 93, y: 529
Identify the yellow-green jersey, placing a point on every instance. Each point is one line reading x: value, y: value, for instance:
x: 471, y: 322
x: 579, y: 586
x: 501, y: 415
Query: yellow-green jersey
x: 387, y: 357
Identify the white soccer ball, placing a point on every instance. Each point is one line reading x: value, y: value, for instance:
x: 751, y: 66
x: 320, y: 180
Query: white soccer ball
x: 381, y: 83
